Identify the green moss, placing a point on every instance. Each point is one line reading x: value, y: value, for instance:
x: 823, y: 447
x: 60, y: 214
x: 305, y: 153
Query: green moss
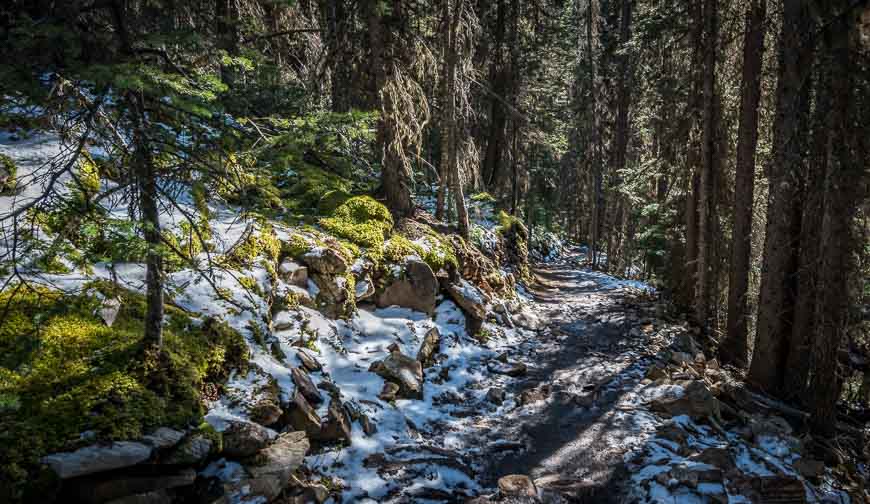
x: 262, y: 243
x: 332, y: 200
x: 483, y: 197
x: 8, y: 168
x: 399, y: 247
x: 296, y: 246
x: 438, y: 252
x: 507, y: 222
x: 304, y: 187
x: 361, y: 220
x: 250, y: 284
x: 63, y: 372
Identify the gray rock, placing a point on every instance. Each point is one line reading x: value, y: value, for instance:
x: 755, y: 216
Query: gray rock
x: 305, y: 386
x: 155, y: 497
x: 507, y: 368
x: 364, y: 289
x: 696, y: 401
x: 109, y: 310
x: 293, y: 273
x: 388, y: 393
x: 265, y: 412
x: 429, y: 347
x: 164, y: 437
x: 95, y: 459
x: 325, y: 261
x: 192, y: 451
x: 404, y: 371
x: 274, y: 465
x: 243, y: 439
x: 309, y: 361
x: 469, y: 298
x: 337, y: 427
x: 417, y: 290
x: 301, y: 416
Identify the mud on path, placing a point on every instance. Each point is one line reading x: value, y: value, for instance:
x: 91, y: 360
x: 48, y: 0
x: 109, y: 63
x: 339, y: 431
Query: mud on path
x: 572, y: 426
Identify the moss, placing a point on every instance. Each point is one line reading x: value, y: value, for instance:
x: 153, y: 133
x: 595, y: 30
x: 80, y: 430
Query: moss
x: 306, y: 186
x: 332, y: 200
x: 399, y: 247
x: 251, y: 285
x: 63, y: 372
x: 361, y: 220
x: 483, y: 197
x: 262, y: 243
x: 296, y: 246
x: 438, y: 252
x: 8, y: 169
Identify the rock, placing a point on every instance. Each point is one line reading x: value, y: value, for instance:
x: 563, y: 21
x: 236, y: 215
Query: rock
x: 265, y: 412
x: 388, y: 393
x: 510, y: 368
x: 417, y: 290
x: 534, y: 395
x: 526, y: 319
x: 301, y: 416
x: 192, y: 451
x: 109, y: 310
x: 155, y: 497
x: 325, y: 261
x: 305, y: 385
x: 330, y: 388
x: 469, y: 298
x: 368, y: 427
x: 309, y: 361
x: 656, y: 373
x: 763, y: 489
x: 293, y: 273
x: 96, y: 458
x: 429, y: 347
x: 517, y: 485
x: 364, y: 289
x: 162, y: 438
x: 404, y: 371
x: 337, y: 427
x: 686, y: 343
x: 332, y: 297
x: 129, y: 486
x: 809, y: 468
x: 716, y: 457
x: 243, y: 439
x: 680, y: 358
x: 495, y: 395
x: 696, y: 400
x: 274, y: 465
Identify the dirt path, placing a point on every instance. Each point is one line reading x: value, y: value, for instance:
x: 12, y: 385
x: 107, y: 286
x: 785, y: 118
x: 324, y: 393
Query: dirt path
x: 570, y: 429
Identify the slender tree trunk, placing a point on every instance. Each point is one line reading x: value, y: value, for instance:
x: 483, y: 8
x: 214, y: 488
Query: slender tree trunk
x: 777, y: 296
x: 735, y: 347
x: 595, y: 158
x: 623, y: 101
x: 693, y: 158
x: 843, y: 193
x: 707, y: 195
x: 450, y: 122
x: 444, y: 168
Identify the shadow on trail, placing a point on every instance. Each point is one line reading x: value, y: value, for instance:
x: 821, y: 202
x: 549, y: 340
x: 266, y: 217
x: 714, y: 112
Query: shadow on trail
x: 589, y: 359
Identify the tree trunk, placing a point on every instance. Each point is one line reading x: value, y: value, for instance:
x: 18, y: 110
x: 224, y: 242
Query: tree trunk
x: 777, y: 296
x: 450, y: 118
x: 707, y: 194
x: 843, y: 192
x: 623, y: 99
x: 735, y: 347
x: 384, y: 35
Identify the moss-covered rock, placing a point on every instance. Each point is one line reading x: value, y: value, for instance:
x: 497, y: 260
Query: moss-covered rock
x: 362, y: 220
x: 64, y: 372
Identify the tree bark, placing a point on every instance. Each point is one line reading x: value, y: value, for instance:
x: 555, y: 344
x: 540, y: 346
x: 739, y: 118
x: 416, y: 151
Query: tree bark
x: 777, y: 294
x: 735, y: 347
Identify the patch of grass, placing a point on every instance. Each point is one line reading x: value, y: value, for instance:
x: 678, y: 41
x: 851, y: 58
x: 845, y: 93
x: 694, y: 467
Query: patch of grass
x: 483, y: 197
x: 64, y: 372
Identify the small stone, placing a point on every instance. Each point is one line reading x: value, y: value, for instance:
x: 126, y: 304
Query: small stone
x: 402, y: 370
x: 495, y: 395
x: 309, y: 362
x: 265, y: 413
x: 429, y: 347
x: 337, y: 427
x: 109, y: 310
x: 293, y: 273
x: 510, y: 369
x: 517, y: 485
x: 388, y: 393
x: 192, y: 451
x: 275, y: 464
x: 301, y: 416
x: 164, y: 437
x: 534, y: 395
x: 95, y: 459
x: 326, y: 261
x: 368, y: 427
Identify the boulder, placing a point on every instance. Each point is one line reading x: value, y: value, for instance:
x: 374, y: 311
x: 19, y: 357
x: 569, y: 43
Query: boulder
x: 301, y: 416
x: 337, y: 426
x: 325, y: 261
x: 192, y: 451
x: 162, y: 438
x: 305, y: 386
x: 696, y: 400
x: 429, y: 347
x: 517, y: 485
x: 273, y: 466
x: 293, y: 273
x: 469, y: 298
x: 265, y: 412
x: 129, y: 486
x: 417, y: 290
x: 243, y: 439
x: 333, y: 296
x: 97, y: 458
x: 402, y: 370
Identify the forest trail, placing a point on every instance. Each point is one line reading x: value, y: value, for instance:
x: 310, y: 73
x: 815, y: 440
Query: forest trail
x: 574, y: 424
